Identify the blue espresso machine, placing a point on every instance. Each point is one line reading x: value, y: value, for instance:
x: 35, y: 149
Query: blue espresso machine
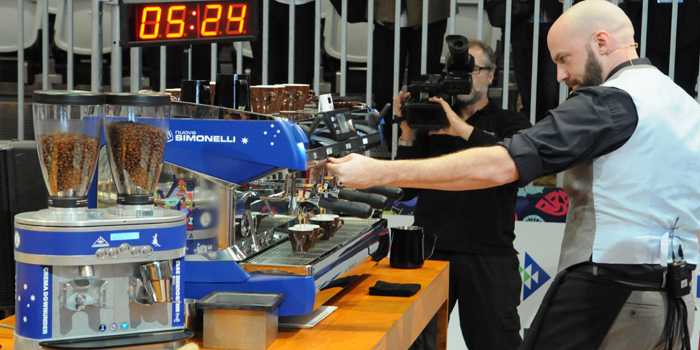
x: 238, y: 176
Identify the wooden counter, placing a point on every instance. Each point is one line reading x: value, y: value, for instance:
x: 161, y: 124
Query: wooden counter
x: 363, y: 321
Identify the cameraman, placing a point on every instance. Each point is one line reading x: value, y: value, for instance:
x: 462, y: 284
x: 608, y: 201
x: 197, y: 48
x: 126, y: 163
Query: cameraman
x: 475, y: 229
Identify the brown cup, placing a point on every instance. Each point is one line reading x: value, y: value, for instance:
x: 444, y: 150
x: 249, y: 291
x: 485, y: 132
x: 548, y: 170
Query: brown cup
x: 304, y: 237
x: 296, y: 94
x: 329, y: 222
x: 266, y: 99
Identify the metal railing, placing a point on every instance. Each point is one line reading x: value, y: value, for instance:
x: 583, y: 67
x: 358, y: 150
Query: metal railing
x: 136, y: 54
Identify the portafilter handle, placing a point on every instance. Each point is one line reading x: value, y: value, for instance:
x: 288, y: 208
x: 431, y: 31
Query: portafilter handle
x: 376, y: 201
x: 393, y: 193
x: 361, y: 210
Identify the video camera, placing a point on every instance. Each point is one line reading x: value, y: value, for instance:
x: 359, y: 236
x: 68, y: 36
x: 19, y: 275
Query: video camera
x: 423, y: 114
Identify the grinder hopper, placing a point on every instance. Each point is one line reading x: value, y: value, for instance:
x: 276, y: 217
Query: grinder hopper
x: 136, y: 128
x: 67, y: 127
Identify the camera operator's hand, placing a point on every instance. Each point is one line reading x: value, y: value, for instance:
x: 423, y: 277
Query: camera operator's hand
x: 456, y: 126
x: 407, y: 134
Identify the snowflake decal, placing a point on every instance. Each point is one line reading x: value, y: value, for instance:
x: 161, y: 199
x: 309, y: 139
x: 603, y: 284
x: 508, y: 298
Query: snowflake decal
x: 32, y: 298
x: 244, y: 140
x: 24, y: 319
x: 25, y: 286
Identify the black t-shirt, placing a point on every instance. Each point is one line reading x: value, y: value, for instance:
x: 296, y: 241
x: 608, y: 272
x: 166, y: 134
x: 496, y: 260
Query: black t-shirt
x: 477, y: 221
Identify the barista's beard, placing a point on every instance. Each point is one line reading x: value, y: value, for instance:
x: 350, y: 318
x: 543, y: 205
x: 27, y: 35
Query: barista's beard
x: 593, y: 73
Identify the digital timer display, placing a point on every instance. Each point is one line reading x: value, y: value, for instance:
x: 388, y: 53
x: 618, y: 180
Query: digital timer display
x: 159, y: 22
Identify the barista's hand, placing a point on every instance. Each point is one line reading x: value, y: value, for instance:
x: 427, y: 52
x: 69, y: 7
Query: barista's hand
x: 407, y: 133
x: 356, y: 171
x: 455, y: 125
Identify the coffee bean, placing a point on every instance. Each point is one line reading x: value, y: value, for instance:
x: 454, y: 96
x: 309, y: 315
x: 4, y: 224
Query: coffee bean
x: 68, y: 159
x: 137, y: 153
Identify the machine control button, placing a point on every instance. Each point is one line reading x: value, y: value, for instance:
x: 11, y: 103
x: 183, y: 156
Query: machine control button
x: 114, y: 327
x: 124, y: 248
x: 103, y: 327
x: 135, y: 251
x: 125, y: 326
x: 100, y: 254
x: 113, y: 252
x: 147, y: 250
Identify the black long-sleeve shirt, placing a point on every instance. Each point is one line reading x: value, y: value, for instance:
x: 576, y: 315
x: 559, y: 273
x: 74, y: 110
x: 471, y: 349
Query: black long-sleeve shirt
x: 593, y: 121
x: 476, y: 221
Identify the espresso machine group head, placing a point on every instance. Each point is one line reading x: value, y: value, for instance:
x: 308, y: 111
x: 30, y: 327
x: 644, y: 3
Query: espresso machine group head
x: 99, y: 278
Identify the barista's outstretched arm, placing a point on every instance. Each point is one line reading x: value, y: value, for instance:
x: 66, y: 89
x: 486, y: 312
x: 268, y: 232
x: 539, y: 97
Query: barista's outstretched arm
x: 469, y: 169
x: 473, y: 168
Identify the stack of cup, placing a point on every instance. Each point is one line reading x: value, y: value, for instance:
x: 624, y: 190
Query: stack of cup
x: 266, y: 99
x: 295, y: 97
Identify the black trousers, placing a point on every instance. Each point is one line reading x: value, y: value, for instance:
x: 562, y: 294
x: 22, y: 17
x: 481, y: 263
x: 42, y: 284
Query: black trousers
x: 488, y: 288
x: 576, y: 313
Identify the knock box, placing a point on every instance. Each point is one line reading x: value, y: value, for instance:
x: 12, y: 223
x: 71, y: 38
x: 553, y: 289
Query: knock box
x: 240, y: 320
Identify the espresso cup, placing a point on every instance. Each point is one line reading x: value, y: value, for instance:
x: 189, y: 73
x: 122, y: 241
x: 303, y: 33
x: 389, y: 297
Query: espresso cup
x: 195, y: 91
x: 266, y: 99
x: 297, y: 94
x: 331, y: 223
x: 304, y: 237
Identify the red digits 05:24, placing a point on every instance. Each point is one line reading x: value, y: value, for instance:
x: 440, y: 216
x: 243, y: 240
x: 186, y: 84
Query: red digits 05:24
x: 175, y: 25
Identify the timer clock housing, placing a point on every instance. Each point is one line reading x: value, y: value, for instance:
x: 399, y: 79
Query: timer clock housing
x: 167, y: 22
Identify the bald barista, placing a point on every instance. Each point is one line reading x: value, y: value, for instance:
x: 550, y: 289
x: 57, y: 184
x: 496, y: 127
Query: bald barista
x: 627, y: 137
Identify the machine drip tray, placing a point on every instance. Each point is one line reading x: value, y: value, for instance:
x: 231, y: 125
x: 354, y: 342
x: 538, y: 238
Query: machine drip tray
x: 138, y: 339
x: 306, y: 321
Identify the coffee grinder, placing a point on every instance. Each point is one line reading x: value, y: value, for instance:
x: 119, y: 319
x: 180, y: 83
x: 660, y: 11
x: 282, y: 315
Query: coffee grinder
x: 99, y: 278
